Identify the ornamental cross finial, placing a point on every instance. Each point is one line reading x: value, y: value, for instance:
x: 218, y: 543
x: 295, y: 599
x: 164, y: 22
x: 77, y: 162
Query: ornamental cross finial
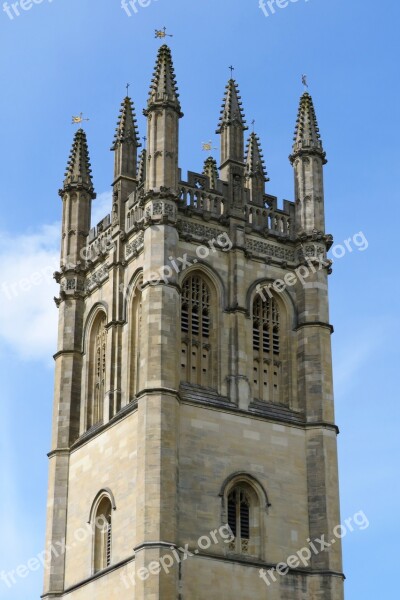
x: 128, y: 85
x: 77, y: 120
x: 231, y: 68
x: 304, y: 81
x: 162, y: 33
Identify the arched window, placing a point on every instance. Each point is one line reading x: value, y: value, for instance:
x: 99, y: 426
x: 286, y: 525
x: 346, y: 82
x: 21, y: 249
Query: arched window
x: 267, y: 360
x: 239, y: 519
x: 135, y: 343
x: 244, y: 509
x: 102, y: 535
x: 196, y: 359
x: 97, y: 360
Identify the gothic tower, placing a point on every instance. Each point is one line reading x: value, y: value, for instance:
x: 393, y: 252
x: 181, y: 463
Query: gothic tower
x: 194, y: 441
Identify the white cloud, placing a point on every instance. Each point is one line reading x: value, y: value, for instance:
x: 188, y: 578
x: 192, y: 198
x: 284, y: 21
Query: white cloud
x: 28, y: 314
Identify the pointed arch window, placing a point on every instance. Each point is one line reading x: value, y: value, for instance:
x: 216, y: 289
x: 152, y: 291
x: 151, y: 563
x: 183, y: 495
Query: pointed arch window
x: 239, y: 519
x: 196, y: 332
x: 267, y: 359
x: 135, y: 343
x: 102, y: 536
x: 244, y: 509
x: 97, y: 372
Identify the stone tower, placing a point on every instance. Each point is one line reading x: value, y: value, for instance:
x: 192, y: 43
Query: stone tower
x: 194, y: 441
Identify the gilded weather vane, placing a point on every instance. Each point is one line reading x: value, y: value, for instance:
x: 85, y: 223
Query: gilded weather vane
x: 208, y: 147
x: 162, y: 33
x: 78, y: 119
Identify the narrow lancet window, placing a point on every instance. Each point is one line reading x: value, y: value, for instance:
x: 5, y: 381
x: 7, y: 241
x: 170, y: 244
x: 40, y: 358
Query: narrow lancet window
x: 195, y: 329
x: 266, y: 350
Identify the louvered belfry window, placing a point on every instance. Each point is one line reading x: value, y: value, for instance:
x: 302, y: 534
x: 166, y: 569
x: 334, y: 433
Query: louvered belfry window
x: 195, y: 329
x: 97, y: 373
x: 266, y: 350
x: 239, y: 520
x: 102, y: 536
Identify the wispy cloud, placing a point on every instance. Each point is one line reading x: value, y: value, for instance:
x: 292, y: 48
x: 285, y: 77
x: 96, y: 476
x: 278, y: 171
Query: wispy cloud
x: 28, y: 315
x: 351, y: 357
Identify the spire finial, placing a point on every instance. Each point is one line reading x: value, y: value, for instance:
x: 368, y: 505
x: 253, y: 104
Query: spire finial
x: 307, y: 138
x: 210, y: 169
x: 231, y: 68
x: 126, y: 130
x: 255, y: 165
x: 128, y: 85
x: 164, y: 89
x: 232, y: 111
x: 78, y: 171
x: 304, y: 81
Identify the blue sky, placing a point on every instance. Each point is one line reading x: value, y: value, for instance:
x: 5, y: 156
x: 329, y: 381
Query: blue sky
x: 67, y: 56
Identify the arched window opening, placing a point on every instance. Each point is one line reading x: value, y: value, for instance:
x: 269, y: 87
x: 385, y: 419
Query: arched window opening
x: 196, y: 355
x: 102, y: 536
x: 267, y: 358
x: 135, y: 344
x: 239, y: 520
x: 97, y: 372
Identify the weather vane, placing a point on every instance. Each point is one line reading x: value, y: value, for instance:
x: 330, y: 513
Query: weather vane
x: 78, y: 119
x: 208, y: 147
x: 231, y: 70
x: 162, y: 33
x: 304, y: 80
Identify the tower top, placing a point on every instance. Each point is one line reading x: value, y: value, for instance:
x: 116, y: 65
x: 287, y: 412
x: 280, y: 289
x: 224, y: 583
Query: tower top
x: 164, y: 88
x: 307, y: 139
x: 126, y: 130
x: 79, y: 172
x: 232, y: 110
x: 255, y: 164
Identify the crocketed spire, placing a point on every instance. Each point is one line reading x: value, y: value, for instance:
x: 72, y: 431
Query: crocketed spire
x: 211, y: 171
x: 307, y: 138
x: 255, y: 165
x: 232, y: 111
x: 141, y: 172
x: 79, y: 172
x: 126, y: 130
x: 164, y: 89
